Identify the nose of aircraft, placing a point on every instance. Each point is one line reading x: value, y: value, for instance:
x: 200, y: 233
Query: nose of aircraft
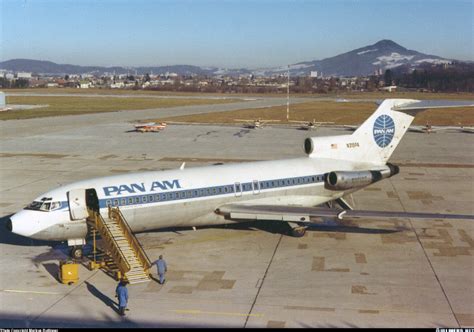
x: 22, y: 223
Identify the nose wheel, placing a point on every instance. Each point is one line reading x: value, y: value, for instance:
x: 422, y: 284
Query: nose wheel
x: 77, y: 253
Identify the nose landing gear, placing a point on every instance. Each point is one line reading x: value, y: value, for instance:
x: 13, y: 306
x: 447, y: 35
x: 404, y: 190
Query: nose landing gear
x: 77, y: 252
x: 77, y: 245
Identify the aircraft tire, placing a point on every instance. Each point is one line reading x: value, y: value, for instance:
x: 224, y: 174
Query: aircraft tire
x: 77, y: 253
x: 298, y: 231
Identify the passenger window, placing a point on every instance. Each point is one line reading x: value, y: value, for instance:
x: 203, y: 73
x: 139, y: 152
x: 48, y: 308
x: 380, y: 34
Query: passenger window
x: 115, y: 202
x: 124, y: 201
x: 144, y: 199
x: 130, y: 200
x: 108, y: 202
x: 157, y: 196
x: 183, y: 194
x: 137, y: 200
x: 150, y: 198
x: 195, y: 193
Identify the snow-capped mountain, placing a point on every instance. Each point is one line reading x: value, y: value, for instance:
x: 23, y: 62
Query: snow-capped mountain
x: 383, y: 55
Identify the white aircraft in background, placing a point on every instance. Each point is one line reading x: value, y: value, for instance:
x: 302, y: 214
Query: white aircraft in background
x: 467, y: 130
x: 283, y: 190
x: 308, y: 125
x: 255, y: 124
x: 434, y: 129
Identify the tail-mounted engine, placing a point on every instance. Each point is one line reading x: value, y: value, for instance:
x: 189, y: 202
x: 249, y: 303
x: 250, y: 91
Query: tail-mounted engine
x: 345, y: 180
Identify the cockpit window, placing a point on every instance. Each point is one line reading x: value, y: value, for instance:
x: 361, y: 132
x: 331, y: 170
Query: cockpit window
x: 44, y: 205
x: 35, y: 205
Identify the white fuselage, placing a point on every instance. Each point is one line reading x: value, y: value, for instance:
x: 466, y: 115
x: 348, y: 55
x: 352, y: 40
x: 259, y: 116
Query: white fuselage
x: 183, y: 197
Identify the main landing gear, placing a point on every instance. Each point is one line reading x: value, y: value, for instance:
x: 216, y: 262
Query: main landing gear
x: 297, y: 230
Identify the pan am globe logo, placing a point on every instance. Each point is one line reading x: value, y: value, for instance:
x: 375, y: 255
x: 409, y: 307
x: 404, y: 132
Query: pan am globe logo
x: 384, y: 129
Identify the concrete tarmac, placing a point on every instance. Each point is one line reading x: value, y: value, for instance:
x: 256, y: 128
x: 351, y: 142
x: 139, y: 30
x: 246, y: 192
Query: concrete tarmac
x: 392, y: 273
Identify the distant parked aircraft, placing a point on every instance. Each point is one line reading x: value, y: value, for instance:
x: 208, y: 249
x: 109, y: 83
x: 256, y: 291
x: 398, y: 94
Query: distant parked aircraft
x: 428, y: 129
x: 308, y: 125
x: 150, y: 127
x: 256, y: 123
x: 467, y: 130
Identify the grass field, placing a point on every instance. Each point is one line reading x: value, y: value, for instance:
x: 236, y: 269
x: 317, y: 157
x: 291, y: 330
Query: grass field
x: 340, y: 113
x: 327, y: 111
x: 58, y: 106
x: 100, y: 91
x: 348, y: 95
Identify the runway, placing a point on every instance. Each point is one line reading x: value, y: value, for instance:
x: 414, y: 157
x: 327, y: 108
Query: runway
x: 395, y: 273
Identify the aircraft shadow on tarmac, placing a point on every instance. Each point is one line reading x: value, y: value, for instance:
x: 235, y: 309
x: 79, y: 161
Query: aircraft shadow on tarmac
x: 60, y: 250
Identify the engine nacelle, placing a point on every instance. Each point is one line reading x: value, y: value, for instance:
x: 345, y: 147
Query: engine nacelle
x: 326, y: 144
x: 346, y: 180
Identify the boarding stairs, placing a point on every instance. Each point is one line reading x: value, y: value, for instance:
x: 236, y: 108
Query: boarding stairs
x: 124, y: 253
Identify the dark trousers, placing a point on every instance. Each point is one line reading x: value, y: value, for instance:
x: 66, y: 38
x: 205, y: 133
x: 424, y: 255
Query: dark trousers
x: 122, y: 311
x: 162, y: 277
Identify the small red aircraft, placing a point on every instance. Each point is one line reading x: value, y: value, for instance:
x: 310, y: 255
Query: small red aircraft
x: 150, y: 127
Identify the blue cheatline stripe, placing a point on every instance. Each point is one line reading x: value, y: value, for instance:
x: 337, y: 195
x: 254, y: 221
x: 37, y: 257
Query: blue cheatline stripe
x: 152, y: 198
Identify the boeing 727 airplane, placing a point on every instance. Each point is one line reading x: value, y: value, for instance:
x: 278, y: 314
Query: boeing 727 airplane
x: 283, y: 190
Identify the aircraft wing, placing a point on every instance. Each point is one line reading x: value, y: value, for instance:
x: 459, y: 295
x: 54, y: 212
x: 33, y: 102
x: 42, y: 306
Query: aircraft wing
x: 309, y: 214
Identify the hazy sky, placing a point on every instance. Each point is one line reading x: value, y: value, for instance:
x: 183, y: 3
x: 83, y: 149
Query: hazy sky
x: 227, y: 33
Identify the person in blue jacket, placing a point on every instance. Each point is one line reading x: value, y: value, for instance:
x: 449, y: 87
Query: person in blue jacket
x: 162, y: 269
x: 121, y: 292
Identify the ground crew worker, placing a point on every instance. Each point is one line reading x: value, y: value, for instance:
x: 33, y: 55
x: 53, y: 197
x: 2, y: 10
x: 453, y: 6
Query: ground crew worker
x: 121, y: 292
x: 162, y: 268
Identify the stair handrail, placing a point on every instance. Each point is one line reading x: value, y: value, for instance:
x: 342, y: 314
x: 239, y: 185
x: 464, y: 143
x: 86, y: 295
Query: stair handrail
x: 105, y: 232
x: 141, y: 254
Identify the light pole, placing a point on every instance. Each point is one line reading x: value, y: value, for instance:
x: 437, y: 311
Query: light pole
x: 288, y: 96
